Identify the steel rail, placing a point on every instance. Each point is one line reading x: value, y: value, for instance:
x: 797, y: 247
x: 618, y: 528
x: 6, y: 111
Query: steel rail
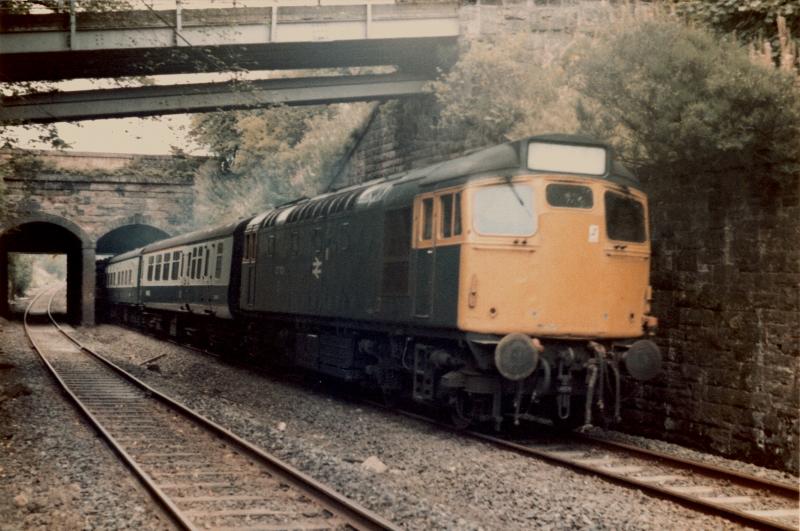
x: 158, y: 494
x: 355, y: 515
x: 765, y: 485
x: 708, y: 468
x: 661, y: 491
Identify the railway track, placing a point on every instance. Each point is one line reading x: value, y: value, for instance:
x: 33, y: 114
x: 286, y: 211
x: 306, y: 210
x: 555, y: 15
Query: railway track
x: 750, y: 500
x: 203, y: 475
x: 758, y: 502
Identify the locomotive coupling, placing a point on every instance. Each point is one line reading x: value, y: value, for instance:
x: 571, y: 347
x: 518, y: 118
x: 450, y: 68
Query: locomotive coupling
x: 517, y: 356
x: 643, y: 360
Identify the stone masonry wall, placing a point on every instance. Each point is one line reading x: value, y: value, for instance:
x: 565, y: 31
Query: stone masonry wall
x: 725, y: 272
x: 726, y: 280
x: 99, y: 192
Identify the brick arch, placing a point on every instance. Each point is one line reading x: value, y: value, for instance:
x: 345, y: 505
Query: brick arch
x: 80, y: 253
x: 135, y: 219
x: 87, y: 242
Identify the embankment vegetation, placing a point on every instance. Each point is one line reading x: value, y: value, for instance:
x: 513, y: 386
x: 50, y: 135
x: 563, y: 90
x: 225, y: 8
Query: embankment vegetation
x: 671, y: 86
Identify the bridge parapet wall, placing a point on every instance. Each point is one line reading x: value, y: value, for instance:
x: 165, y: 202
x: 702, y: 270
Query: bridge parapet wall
x: 97, y: 191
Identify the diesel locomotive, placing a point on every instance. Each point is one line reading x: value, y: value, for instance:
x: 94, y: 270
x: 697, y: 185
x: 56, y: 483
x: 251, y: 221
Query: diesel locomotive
x: 508, y: 283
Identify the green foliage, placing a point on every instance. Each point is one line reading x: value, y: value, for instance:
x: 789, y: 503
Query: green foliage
x: 681, y: 100
x: 60, y: 6
x: 21, y: 164
x: 505, y: 89
x: 750, y: 20
x: 270, y: 156
x: 20, y: 273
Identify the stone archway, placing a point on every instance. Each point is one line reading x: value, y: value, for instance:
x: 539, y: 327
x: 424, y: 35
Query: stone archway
x: 127, y: 237
x: 46, y: 233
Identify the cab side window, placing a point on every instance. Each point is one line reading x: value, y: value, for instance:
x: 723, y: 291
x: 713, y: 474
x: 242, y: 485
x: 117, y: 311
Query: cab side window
x: 427, y: 218
x: 450, y: 208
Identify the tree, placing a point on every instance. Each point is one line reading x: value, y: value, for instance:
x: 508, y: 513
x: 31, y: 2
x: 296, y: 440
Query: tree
x: 61, y: 6
x: 508, y: 88
x: 269, y: 156
x: 750, y: 21
x: 671, y: 96
x: 20, y: 273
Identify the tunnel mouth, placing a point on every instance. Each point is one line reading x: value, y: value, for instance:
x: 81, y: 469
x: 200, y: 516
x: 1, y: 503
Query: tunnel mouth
x: 37, y: 239
x: 128, y: 237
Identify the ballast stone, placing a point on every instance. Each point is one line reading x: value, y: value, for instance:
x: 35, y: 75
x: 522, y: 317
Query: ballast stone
x: 373, y: 464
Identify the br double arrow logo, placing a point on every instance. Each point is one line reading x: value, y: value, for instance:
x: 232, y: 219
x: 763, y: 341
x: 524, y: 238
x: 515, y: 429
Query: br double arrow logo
x: 316, y: 267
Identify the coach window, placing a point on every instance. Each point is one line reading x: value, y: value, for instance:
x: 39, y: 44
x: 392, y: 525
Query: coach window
x: 206, y: 262
x: 218, y: 264
x: 149, y: 268
x: 193, y: 262
x: 158, y: 268
x: 176, y: 261
x: 198, y: 273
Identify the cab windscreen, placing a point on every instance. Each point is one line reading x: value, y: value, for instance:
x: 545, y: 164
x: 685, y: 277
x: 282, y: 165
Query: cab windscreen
x: 624, y: 218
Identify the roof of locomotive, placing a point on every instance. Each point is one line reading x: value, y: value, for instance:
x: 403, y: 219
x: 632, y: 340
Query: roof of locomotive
x: 505, y: 159
x: 511, y: 158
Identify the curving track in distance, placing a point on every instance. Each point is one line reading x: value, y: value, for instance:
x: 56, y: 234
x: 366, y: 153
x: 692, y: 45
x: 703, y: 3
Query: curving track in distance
x: 201, y: 473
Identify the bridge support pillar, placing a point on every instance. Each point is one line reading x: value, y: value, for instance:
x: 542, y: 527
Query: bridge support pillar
x: 4, y: 309
x: 87, y: 285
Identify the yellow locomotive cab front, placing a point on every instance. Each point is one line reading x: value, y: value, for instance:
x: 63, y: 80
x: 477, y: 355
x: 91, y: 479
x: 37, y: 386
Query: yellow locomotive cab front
x: 554, y: 256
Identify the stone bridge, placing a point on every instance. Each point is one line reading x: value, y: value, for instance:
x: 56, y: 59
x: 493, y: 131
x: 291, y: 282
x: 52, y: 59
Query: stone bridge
x: 88, y: 204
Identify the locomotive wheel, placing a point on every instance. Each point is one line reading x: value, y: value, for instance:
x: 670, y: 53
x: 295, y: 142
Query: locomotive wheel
x: 461, y: 411
x: 390, y: 397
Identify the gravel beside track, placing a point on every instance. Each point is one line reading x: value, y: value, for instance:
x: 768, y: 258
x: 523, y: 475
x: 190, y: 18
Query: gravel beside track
x: 55, y: 473
x: 433, y: 479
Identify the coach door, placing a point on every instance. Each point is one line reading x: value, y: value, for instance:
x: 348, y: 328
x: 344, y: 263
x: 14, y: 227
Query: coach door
x: 425, y: 256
